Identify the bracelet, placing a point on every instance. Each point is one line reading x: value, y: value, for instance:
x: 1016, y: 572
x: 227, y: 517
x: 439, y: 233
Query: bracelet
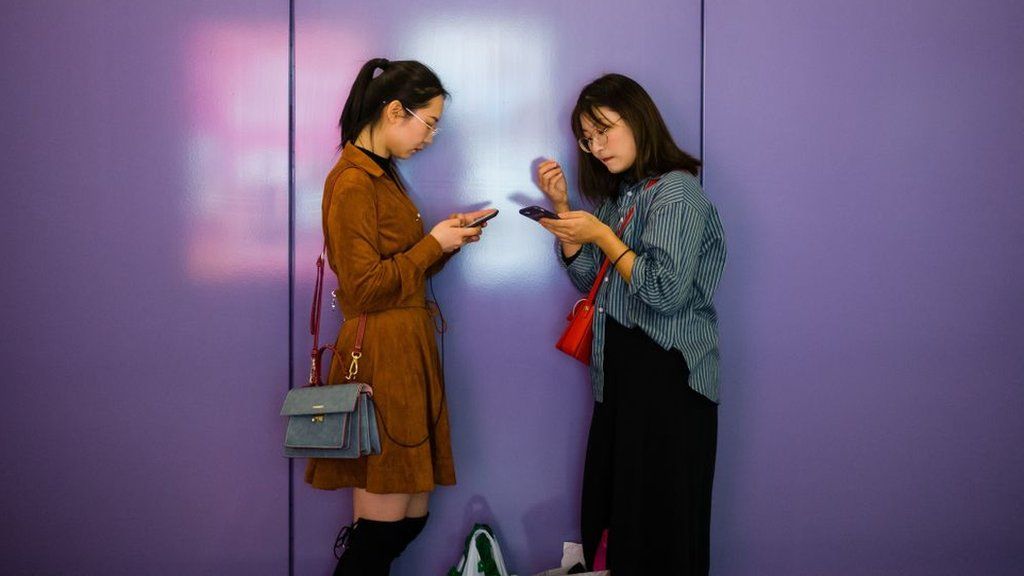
x: 620, y: 257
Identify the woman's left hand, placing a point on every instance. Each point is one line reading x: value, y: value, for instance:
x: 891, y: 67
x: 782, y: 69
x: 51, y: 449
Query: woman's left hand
x: 576, y: 227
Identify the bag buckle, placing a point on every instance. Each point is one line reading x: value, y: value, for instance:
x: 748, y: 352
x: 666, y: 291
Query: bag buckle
x: 353, y: 368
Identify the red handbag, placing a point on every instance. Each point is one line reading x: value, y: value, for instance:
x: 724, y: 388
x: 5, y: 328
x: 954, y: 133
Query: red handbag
x: 578, y: 337
x: 579, y: 334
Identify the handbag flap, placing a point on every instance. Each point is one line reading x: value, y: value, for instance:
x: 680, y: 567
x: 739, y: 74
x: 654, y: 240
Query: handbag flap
x: 321, y: 399
x: 326, y: 432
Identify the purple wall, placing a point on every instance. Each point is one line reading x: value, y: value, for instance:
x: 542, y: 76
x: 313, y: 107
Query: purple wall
x: 861, y: 156
x: 145, y: 292
x: 864, y: 157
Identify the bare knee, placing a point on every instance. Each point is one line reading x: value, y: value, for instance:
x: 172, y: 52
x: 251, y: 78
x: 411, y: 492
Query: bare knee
x: 384, y: 507
x: 418, y: 505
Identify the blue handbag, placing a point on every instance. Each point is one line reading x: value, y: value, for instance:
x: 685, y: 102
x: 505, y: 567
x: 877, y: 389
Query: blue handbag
x: 336, y: 420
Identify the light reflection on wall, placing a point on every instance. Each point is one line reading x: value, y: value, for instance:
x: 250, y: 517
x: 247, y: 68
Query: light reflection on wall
x: 237, y: 152
x: 500, y: 119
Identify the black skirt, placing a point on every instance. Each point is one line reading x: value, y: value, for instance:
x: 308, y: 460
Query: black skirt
x: 650, y: 461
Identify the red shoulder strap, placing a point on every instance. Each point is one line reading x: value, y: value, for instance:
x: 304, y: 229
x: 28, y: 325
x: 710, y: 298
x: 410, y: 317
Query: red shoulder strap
x: 316, y: 353
x: 622, y: 227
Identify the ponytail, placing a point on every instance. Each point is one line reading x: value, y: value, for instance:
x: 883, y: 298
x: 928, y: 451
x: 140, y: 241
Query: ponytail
x: 408, y: 81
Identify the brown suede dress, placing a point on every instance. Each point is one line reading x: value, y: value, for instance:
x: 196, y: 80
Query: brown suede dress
x: 377, y: 247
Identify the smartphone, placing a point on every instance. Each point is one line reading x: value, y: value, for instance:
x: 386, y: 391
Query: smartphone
x: 536, y: 213
x: 481, y: 220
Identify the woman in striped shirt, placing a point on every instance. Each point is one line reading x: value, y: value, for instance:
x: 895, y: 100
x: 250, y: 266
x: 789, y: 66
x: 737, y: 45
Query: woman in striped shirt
x: 654, y: 362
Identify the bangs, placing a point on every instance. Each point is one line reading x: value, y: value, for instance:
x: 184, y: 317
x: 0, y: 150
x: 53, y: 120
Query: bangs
x: 593, y: 115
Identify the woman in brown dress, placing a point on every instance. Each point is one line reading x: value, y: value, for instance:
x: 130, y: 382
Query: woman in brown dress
x: 377, y: 246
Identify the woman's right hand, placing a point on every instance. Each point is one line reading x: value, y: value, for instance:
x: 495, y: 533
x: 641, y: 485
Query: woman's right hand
x: 451, y: 235
x: 551, y: 182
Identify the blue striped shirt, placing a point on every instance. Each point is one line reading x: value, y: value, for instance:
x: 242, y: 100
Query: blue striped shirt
x: 680, y: 253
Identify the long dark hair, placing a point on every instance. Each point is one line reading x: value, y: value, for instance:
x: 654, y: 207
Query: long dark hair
x: 656, y: 151
x: 408, y: 81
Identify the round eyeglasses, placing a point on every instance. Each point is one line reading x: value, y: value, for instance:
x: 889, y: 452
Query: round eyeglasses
x: 601, y: 137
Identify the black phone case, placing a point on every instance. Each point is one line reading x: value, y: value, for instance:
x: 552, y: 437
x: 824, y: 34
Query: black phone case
x: 536, y: 213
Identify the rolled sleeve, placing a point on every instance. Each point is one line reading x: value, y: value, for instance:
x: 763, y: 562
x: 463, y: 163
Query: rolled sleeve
x: 666, y: 262
x: 581, y: 267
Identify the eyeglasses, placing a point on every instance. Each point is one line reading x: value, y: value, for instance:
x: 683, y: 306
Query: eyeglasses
x: 433, y: 129
x: 601, y: 137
